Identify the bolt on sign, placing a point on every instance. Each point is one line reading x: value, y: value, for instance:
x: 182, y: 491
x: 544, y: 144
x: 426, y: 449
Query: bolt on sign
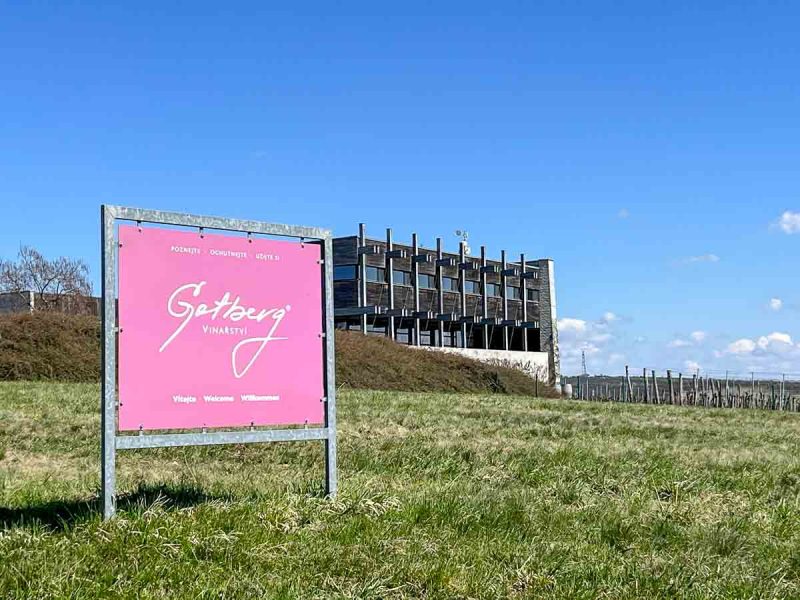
x: 214, y: 330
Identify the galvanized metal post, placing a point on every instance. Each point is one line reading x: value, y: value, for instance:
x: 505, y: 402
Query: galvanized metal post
x: 439, y: 288
x: 362, y: 274
x: 108, y: 403
x: 390, y: 272
x: 524, y: 288
x: 331, y: 476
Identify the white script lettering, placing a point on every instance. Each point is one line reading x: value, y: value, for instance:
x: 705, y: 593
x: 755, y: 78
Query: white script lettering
x: 224, y: 309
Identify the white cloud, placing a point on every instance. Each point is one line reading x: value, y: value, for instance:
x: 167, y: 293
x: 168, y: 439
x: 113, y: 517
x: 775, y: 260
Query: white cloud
x: 743, y: 346
x: 597, y: 339
x: 679, y: 343
x: 699, y: 336
x: 776, y: 304
x: 775, y: 340
x: 692, y: 365
x: 703, y: 258
x: 570, y: 325
x: 789, y: 222
x: 695, y: 339
x: 624, y: 213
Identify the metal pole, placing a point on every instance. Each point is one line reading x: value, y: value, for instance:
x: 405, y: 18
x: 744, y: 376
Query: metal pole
x: 108, y: 402
x: 331, y: 478
x: 504, y: 291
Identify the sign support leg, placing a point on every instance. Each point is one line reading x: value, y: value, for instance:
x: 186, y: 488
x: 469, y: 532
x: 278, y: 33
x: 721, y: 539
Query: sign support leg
x: 331, y: 479
x: 109, y: 381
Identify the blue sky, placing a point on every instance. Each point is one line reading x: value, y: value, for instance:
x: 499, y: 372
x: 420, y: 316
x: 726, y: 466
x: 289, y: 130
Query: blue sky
x: 651, y: 149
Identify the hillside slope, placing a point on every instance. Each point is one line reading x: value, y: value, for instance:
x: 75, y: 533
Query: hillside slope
x: 57, y: 347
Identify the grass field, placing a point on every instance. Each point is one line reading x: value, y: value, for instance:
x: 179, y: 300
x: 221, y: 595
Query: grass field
x: 442, y: 496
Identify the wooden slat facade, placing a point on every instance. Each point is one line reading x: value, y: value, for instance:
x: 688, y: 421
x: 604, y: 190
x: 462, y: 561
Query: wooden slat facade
x: 415, y: 314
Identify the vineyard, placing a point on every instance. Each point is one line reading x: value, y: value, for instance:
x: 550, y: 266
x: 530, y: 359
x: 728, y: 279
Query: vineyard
x: 764, y: 391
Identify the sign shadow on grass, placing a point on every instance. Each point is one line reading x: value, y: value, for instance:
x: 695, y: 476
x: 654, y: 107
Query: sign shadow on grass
x: 61, y: 514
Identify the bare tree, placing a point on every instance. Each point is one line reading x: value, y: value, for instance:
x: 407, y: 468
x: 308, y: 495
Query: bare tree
x: 55, y: 283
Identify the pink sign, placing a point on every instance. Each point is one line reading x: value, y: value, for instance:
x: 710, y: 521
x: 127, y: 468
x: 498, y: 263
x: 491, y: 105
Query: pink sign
x: 218, y: 331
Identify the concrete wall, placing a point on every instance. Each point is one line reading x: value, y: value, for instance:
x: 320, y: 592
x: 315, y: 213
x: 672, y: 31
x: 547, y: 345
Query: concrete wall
x: 549, y: 319
x: 532, y: 363
x: 22, y: 302
x: 16, y: 302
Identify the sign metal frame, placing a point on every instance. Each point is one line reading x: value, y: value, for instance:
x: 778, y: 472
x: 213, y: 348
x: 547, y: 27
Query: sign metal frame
x: 111, y: 441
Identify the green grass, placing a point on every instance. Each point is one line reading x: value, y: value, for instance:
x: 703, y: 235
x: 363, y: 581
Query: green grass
x: 442, y: 496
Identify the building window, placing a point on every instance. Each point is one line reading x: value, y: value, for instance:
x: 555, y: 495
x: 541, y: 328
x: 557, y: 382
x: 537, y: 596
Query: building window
x: 452, y: 339
x: 534, y: 273
x: 513, y: 292
x: 376, y: 274
x: 344, y: 272
x: 449, y: 284
x: 472, y: 287
x: 427, y: 282
x: 493, y: 289
x: 425, y: 337
x: 373, y: 329
x: 533, y: 296
x: 402, y: 277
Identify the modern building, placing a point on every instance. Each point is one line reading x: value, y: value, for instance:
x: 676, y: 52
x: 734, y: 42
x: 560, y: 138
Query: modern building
x: 493, y: 309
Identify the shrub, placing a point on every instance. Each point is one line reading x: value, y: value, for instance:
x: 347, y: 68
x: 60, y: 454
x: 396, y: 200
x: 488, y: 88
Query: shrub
x: 49, y: 346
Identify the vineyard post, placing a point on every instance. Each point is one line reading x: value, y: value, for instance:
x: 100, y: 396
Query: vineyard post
x: 671, y: 389
x: 655, y: 389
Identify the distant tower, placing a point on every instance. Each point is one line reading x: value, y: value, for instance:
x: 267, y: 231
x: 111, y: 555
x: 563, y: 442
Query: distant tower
x: 583, y: 360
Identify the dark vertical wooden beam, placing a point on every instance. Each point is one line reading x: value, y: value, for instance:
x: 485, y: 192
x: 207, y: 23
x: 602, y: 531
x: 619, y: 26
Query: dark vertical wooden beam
x: 440, y: 288
x: 390, y: 277
x: 484, y: 298
x: 504, y: 292
x: 362, y: 274
x: 415, y: 283
x: 462, y: 278
x: 524, y: 301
